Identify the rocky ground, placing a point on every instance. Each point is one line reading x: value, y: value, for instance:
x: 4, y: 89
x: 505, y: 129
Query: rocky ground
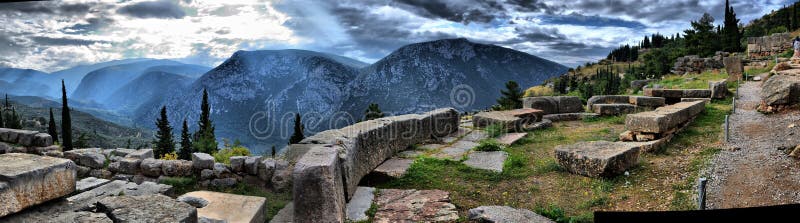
x: 755, y: 170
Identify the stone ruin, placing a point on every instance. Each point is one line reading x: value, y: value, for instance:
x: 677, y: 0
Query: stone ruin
x: 766, y: 46
x: 613, y: 105
x: 716, y: 90
x: 696, y: 64
x: 331, y: 163
x: 516, y: 120
x: 558, y: 108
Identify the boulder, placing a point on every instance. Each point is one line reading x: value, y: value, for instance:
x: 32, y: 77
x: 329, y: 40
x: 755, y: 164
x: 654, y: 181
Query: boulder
x: 101, y: 173
x: 492, y: 161
x: 637, y: 85
x: 129, y: 165
x: 176, y: 168
x: 513, y: 120
x: 121, y: 152
x: 285, y: 215
x: 719, y: 89
x: 202, y: 161
x: 266, y: 169
x: 222, y: 171
x: 318, y: 190
x: 500, y: 214
x: 237, y: 163
x: 25, y: 137
x: 92, y: 158
x: 27, y: 180
x: 645, y: 101
x: 664, y: 118
x: 360, y: 203
x: 147, y: 208
x: 396, y: 205
x: 613, y: 109
x: 141, y: 154
x: 224, y: 207
x: 88, y: 199
x: 598, y: 158
x: 42, y: 140
x: 151, y: 167
x: 206, y: 174
x: 223, y: 182
x: 781, y: 90
x: 251, y: 164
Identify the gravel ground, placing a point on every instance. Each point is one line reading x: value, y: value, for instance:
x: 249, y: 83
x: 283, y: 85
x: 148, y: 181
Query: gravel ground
x: 755, y: 170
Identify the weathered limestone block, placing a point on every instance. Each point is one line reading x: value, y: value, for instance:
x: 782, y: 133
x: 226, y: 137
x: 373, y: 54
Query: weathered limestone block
x: 360, y: 203
x: 89, y: 183
x: 613, y: 109
x: 42, y: 140
x: 719, y: 89
x: 569, y: 116
x: 147, y: 208
x: 499, y: 214
x: 607, y: 99
x: 282, y: 177
x: 707, y: 100
x: 285, y: 215
x: 318, y: 190
x: 441, y: 122
x: 225, y: 207
x: 142, y: 154
x: 391, y: 169
x: 414, y: 206
x: 781, y: 90
x: 27, y: 180
x: 513, y: 120
x: 554, y: 104
x: 202, y: 161
x: 251, y: 164
x: 637, y: 85
x: 645, y: 101
x: 598, y: 158
x: 677, y: 93
x: 121, y: 152
x: 92, y: 158
x: 176, y: 168
x: 492, y: 161
x: 511, y: 138
x: 237, y: 163
x: 266, y: 169
x: 128, y: 165
x: 734, y: 67
x: 151, y: 167
x: 665, y: 118
x: 222, y: 171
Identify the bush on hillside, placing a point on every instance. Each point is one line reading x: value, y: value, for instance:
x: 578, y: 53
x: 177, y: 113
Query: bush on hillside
x: 537, y: 91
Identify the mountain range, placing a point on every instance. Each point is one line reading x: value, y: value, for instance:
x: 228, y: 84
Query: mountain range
x: 255, y: 94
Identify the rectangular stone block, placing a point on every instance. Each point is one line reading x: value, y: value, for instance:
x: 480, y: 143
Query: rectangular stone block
x: 646, y: 101
x: 201, y: 161
x: 664, y: 118
x: 318, y: 187
x: 598, y: 158
x: 607, y: 99
x: 231, y: 208
x: 441, y: 122
x: 27, y: 180
x: 514, y: 120
x: 554, y: 104
x: 613, y: 109
x: 142, y: 154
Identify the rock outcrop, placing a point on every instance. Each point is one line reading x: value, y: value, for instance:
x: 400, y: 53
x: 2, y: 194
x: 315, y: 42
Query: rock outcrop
x: 781, y: 90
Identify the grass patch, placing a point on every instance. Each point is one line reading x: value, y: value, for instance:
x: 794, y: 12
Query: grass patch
x: 691, y: 81
x: 495, y: 130
x: 275, y: 201
x: 489, y: 144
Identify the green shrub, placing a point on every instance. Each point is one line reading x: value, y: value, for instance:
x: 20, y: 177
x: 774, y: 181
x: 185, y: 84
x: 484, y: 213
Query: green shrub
x: 495, y: 130
x: 224, y: 155
x: 489, y: 145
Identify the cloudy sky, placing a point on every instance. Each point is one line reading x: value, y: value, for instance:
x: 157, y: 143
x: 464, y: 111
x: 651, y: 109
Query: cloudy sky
x: 55, y: 35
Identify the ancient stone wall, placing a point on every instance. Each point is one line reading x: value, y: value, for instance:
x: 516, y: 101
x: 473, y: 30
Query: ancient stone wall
x: 696, y: 64
x: 16, y: 140
x: 768, y: 45
x: 359, y: 149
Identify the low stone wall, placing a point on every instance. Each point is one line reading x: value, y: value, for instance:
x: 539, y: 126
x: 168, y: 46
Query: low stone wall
x: 647, y: 126
x: 554, y: 104
x: 768, y: 45
x: 623, y: 104
x: 696, y: 64
x: 25, y: 138
x: 359, y: 149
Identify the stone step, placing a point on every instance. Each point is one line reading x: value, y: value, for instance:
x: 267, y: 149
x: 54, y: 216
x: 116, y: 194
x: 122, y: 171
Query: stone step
x: 224, y: 207
x: 360, y: 203
x: 614, y: 109
x: 456, y: 151
x: 392, y: 168
x: 511, y: 138
x: 461, y: 132
x: 395, y: 205
x: 27, y: 180
x: 513, y: 120
x: 492, y: 161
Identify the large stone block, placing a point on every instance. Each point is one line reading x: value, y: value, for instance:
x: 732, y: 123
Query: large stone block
x: 251, y: 164
x: 92, y: 157
x: 318, y: 187
x: 498, y: 214
x: 665, y: 118
x: 677, y: 94
x: 781, y: 90
x: 223, y: 207
x: 607, y: 99
x: 645, y: 101
x: 598, y: 158
x: 569, y: 116
x: 147, y: 208
x: 414, y: 206
x: 719, y: 89
x: 142, y: 154
x: 613, y: 109
x: 42, y: 140
x: 514, y: 120
x: 441, y: 122
x: 151, y: 167
x: 734, y: 67
x: 202, y: 161
x: 175, y: 168
x: 546, y: 104
x: 27, y: 180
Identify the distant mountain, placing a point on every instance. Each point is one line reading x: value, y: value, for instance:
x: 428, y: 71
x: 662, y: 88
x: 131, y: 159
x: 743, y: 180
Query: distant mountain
x: 23, y: 82
x: 98, y: 86
x: 254, y: 95
x: 73, y: 76
x: 449, y: 72
x: 250, y: 84
x: 153, y: 83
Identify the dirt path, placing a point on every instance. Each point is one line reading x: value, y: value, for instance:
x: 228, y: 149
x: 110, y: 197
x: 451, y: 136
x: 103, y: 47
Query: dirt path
x: 755, y: 170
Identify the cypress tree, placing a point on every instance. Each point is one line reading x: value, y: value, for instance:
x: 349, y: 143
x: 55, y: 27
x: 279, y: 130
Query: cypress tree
x: 186, y: 143
x: 2, y: 123
x: 7, y: 104
x: 51, y: 127
x: 373, y: 112
x: 273, y: 151
x: 164, y: 142
x: 205, y: 141
x: 511, y: 97
x: 13, y: 120
x: 66, y: 120
x: 730, y: 32
x: 298, y: 130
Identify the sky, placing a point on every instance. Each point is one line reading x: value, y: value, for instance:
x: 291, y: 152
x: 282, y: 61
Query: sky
x: 55, y: 35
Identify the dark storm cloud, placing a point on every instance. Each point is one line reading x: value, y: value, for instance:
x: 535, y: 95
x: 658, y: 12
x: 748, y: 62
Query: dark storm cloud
x: 456, y: 10
x: 156, y: 9
x: 26, y: 7
x: 62, y: 41
x: 595, y: 20
x: 91, y: 24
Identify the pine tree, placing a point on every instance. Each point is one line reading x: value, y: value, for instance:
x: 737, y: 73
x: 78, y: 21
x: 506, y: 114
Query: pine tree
x: 66, y: 120
x: 511, y: 97
x: 273, y: 151
x: 205, y: 140
x: 51, y: 127
x: 186, y: 143
x: 164, y: 143
x: 373, y: 112
x: 298, y: 130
